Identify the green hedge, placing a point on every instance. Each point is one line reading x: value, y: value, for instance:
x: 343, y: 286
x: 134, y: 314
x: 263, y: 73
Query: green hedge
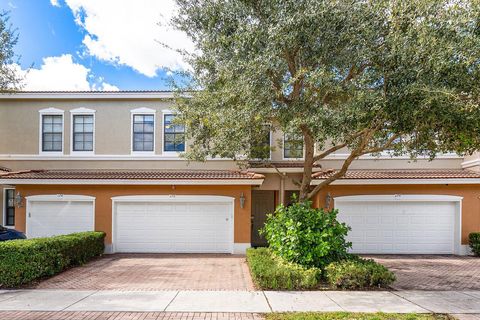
x: 22, y: 261
x: 358, y: 273
x: 272, y: 272
x: 474, y: 241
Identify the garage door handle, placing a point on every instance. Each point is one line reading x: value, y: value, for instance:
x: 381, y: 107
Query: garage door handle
x: 226, y: 219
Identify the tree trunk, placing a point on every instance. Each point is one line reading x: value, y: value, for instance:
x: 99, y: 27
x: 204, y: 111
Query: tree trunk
x: 308, y: 165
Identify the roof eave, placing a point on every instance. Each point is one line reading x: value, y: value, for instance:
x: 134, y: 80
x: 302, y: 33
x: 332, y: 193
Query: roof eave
x: 399, y: 181
x: 256, y: 181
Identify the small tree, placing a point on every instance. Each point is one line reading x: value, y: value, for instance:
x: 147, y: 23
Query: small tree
x: 364, y: 76
x: 9, y: 79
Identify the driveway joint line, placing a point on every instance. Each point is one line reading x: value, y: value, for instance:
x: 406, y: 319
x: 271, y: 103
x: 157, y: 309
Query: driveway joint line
x: 80, y: 300
x: 331, y: 299
x: 174, y: 297
x: 16, y: 295
x: 469, y: 295
x: 268, y: 302
x: 418, y: 305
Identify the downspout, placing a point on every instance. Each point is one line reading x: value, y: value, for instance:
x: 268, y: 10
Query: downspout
x: 282, y: 188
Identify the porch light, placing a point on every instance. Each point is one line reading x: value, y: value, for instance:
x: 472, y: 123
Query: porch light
x: 242, y: 201
x: 19, y: 200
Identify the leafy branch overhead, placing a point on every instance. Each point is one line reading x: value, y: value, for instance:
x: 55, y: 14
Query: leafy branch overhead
x: 362, y: 76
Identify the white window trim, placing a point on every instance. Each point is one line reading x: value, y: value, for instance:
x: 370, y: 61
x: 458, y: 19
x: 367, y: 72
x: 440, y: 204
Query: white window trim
x: 143, y: 111
x: 4, y: 204
x: 162, y: 140
x: 175, y: 198
x: 283, y: 150
x: 52, y: 112
x: 270, y: 143
x: 83, y: 112
x: 457, y: 232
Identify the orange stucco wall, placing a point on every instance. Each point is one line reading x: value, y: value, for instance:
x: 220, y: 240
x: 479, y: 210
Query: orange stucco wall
x: 103, y: 202
x: 470, y: 194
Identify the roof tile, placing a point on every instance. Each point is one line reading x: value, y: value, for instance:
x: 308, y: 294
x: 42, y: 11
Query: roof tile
x: 131, y: 174
x: 403, y: 174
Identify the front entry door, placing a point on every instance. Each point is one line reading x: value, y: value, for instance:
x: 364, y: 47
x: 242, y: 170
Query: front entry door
x: 263, y: 202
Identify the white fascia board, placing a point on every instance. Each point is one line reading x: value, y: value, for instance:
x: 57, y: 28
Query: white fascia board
x: 113, y: 157
x: 398, y: 181
x: 86, y: 95
x: 387, y: 156
x: 282, y: 170
x: 471, y: 163
x: 255, y: 182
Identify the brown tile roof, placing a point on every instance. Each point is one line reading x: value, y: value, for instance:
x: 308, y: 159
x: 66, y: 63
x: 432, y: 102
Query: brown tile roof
x: 91, y: 91
x: 278, y: 164
x: 403, y: 174
x: 3, y: 169
x: 131, y: 175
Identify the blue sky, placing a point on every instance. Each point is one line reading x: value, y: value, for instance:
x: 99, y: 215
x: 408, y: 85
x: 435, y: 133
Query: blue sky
x: 95, y: 45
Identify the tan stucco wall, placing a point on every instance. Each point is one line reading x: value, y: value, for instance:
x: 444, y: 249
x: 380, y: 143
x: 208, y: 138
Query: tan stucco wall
x: 103, y: 202
x: 20, y: 120
x: 470, y: 194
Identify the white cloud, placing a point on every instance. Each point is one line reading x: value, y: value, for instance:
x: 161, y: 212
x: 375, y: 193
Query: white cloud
x: 61, y: 73
x: 55, y: 3
x: 125, y: 32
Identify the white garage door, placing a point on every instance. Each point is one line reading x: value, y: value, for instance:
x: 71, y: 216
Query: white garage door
x: 399, y: 227
x: 55, y: 215
x: 174, y: 225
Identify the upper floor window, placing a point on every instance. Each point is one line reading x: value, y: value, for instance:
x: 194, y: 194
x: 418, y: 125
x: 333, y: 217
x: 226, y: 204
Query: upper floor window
x: 82, y: 132
x: 52, y: 133
x: 174, y: 135
x: 261, y: 149
x: 292, y: 146
x: 143, y: 132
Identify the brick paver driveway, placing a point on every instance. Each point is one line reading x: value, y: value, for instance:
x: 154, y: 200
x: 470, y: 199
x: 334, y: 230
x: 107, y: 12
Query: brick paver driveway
x: 35, y: 315
x: 156, y: 272
x: 433, y: 272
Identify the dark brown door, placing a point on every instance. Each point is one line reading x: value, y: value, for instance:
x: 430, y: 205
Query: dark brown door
x: 263, y: 203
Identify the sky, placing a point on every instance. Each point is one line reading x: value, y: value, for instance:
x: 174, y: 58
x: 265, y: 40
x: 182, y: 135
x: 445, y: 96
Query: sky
x: 97, y: 44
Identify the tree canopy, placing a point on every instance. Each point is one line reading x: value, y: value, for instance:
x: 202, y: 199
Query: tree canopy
x: 9, y: 79
x: 364, y: 75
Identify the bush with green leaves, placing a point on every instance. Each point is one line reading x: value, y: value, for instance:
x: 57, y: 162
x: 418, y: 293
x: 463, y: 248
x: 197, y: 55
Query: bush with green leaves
x: 358, y: 273
x: 474, y: 242
x: 308, y: 236
x: 272, y: 272
x: 22, y: 261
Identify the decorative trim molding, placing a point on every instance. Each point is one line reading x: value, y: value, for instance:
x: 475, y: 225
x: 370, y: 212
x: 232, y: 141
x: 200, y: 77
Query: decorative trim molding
x: 173, y: 198
x: 143, y: 110
x: 51, y: 111
x: 82, y: 110
x: 59, y: 197
x: 471, y: 163
x: 399, y: 197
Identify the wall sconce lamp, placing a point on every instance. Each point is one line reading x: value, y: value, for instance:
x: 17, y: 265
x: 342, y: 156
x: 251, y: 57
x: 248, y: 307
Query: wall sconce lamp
x: 328, y: 199
x: 242, y: 201
x: 19, y: 200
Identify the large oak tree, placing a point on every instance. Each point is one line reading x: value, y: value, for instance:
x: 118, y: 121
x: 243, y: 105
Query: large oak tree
x: 364, y: 75
x: 9, y: 79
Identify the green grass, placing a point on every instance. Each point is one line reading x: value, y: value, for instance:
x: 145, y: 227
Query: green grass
x: 354, y: 316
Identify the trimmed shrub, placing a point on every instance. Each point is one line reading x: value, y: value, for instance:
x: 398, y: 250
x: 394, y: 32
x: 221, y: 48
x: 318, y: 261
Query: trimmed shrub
x: 307, y: 236
x: 272, y: 272
x: 474, y: 242
x: 358, y: 273
x: 22, y: 261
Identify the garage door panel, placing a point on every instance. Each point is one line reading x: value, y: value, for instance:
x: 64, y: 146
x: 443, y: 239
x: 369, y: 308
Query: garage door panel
x: 50, y: 218
x: 399, y: 227
x: 173, y: 227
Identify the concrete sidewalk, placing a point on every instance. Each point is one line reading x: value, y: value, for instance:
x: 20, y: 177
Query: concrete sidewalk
x: 459, y: 302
